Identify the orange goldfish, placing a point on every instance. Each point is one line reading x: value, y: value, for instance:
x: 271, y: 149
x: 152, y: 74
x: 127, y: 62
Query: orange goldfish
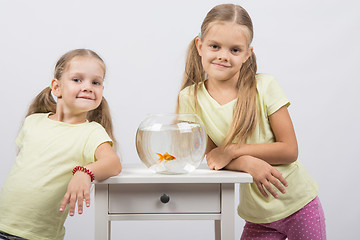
x: 167, y: 157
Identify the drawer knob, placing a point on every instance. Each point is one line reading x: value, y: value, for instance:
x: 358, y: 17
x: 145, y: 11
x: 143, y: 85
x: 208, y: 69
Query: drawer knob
x: 164, y: 198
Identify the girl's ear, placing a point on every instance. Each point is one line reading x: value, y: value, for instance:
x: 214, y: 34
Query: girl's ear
x: 198, y: 44
x: 250, y: 51
x: 55, y: 87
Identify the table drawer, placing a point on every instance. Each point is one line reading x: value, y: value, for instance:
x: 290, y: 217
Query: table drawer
x: 147, y: 198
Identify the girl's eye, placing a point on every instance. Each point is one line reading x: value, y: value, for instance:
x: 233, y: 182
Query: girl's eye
x: 214, y: 46
x: 235, y: 50
x: 76, y: 80
x: 96, y: 83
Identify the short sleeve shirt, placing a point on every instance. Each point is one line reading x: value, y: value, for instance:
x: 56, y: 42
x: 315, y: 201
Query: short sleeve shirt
x: 32, y: 193
x: 217, y: 119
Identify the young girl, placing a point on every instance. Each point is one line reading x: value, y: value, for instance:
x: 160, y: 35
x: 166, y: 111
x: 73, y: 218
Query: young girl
x: 246, y: 118
x: 63, y: 147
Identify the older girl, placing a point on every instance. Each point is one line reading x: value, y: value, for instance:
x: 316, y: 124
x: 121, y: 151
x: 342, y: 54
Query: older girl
x: 246, y: 118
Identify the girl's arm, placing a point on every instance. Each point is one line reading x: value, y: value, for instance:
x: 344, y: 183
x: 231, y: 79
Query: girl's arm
x: 210, y: 145
x: 107, y: 165
x: 263, y: 174
x: 283, y: 151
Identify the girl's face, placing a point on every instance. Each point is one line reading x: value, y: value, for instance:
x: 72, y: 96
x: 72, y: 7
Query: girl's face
x: 80, y: 88
x: 223, y: 50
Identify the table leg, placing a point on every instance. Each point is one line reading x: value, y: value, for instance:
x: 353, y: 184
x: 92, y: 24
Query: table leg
x: 217, y: 225
x: 227, y: 211
x: 102, y: 224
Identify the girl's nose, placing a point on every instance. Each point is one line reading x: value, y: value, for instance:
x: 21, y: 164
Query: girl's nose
x: 223, y: 56
x: 87, y: 86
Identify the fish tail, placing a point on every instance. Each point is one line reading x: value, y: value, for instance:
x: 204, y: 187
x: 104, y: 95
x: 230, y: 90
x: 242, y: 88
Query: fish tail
x: 161, y: 157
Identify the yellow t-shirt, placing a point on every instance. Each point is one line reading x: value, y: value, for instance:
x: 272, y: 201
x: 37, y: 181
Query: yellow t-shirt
x: 217, y: 118
x: 32, y: 193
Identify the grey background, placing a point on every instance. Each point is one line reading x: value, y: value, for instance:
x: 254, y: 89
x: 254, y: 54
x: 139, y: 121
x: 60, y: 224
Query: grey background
x: 312, y: 47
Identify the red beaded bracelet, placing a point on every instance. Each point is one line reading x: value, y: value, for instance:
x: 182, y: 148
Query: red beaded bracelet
x: 85, y: 170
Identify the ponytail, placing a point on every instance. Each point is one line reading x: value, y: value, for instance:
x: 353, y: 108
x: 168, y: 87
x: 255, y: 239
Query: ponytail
x: 102, y: 116
x: 43, y: 103
x: 245, y: 112
x: 194, y: 71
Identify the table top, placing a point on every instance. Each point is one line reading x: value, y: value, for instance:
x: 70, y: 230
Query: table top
x: 139, y: 173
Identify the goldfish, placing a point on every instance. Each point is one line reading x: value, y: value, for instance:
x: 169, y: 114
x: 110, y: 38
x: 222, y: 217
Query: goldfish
x: 167, y: 157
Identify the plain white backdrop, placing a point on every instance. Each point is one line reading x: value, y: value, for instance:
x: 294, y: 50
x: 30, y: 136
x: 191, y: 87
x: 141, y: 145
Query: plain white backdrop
x: 312, y: 47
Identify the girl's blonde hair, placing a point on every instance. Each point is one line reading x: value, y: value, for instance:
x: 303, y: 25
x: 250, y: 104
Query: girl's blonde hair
x: 44, y: 102
x: 245, y: 112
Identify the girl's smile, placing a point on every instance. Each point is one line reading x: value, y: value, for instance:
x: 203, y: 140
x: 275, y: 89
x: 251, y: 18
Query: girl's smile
x: 86, y: 97
x: 221, y: 65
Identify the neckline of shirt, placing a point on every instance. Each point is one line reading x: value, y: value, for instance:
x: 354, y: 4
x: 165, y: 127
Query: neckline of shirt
x: 64, y: 123
x: 213, y: 100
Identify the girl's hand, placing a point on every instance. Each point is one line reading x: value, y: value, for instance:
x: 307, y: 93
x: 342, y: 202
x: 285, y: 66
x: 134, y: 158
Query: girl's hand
x: 78, y: 190
x: 264, y: 175
x: 107, y: 165
x: 219, y: 157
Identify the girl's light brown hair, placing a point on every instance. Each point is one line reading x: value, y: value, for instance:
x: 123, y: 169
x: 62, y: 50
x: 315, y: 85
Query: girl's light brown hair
x: 245, y: 112
x: 44, y: 102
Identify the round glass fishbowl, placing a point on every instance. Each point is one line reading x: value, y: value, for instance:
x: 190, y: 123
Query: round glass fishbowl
x: 171, y: 143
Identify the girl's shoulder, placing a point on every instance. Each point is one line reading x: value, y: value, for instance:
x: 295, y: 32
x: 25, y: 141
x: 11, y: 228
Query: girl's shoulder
x: 270, y: 92
x: 189, y: 90
x: 36, y: 117
x: 95, y: 125
x: 96, y: 128
x: 265, y: 81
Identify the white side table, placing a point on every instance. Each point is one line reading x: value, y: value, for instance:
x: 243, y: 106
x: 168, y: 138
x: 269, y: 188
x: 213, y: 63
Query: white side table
x: 139, y: 194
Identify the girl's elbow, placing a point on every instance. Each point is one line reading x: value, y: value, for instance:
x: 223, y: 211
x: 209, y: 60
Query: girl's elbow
x: 117, y: 168
x: 293, y: 154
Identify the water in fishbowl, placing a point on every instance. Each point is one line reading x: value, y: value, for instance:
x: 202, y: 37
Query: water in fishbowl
x: 171, y: 148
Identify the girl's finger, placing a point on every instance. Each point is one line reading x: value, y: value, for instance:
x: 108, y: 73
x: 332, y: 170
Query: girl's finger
x: 72, y: 204
x: 80, y: 201
x: 274, y: 181
x: 210, y: 165
x: 64, y: 202
x: 261, y: 189
x: 279, y: 176
x: 268, y: 187
x: 208, y: 161
x: 87, y: 198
